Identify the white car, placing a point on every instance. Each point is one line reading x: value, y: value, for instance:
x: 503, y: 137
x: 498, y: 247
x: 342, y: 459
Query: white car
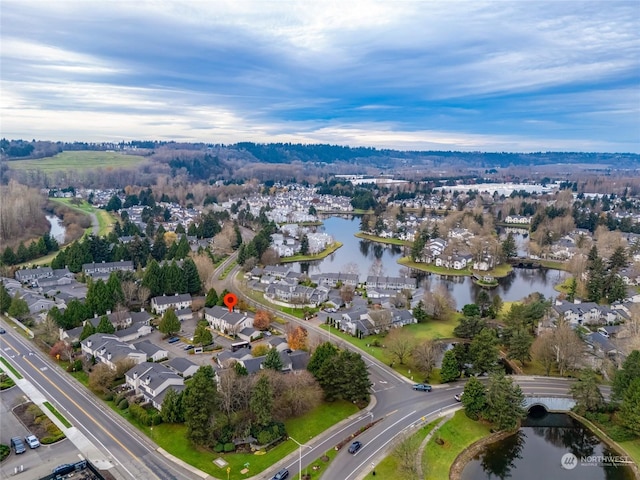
x: 458, y: 397
x: 32, y: 441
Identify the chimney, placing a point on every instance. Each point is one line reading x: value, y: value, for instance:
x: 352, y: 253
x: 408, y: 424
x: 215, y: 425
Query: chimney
x: 108, y: 312
x: 89, y: 342
x: 135, y: 375
x: 147, y: 380
x: 95, y: 315
x: 109, y: 356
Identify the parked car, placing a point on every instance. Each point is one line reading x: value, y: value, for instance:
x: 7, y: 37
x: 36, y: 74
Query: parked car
x: 422, y: 387
x: 355, y: 446
x: 281, y: 475
x: 2, y: 330
x: 173, y: 340
x: 17, y: 445
x: 458, y: 397
x: 189, y: 347
x: 32, y: 441
x: 64, y: 469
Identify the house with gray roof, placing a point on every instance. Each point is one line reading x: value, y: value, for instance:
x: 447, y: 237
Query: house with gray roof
x: 152, y: 380
x: 31, y: 274
x: 221, y: 319
x: 163, y: 303
x: 153, y: 351
x: 104, y: 269
x: 182, y: 366
x: 109, y: 349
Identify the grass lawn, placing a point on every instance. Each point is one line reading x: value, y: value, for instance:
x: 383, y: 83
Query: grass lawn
x: 306, y: 258
x: 171, y: 437
x: 58, y: 415
x: 632, y: 447
x: 389, y: 241
x: 388, y: 467
x: 79, y: 161
x: 319, y: 464
x: 428, y: 267
x: 10, y: 368
x: 555, y: 265
x: 458, y: 433
x: 564, y: 286
x: 106, y: 221
x: 419, y: 331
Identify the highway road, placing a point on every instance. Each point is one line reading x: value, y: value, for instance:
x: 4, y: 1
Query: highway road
x: 131, y: 453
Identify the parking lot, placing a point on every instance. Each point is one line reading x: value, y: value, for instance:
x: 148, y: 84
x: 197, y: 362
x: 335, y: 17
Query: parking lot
x: 36, y: 462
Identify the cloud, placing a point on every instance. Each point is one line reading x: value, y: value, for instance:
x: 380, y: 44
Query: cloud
x: 466, y: 75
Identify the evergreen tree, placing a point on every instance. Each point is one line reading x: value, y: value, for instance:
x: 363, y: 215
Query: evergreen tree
x: 272, y: 360
x: 5, y: 299
x: 172, y: 411
x: 114, y: 204
x: 504, y: 402
x: 344, y: 376
x: 159, y: 248
x: 484, y: 351
x: 509, y: 247
x: 520, y: 345
x: 573, y: 288
x: 238, y: 236
x: 419, y: 313
x: 18, y: 308
x: 212, y: 298
x: 114, y: 290
x: 630, y: 408
x: 180, y: 229
x: 173, y: 279
x: 199, y: 402
x: 450, y: 369
x: 183, y: 249
x: 202, y: 335
x: 417, y: 248
x: 105, y: 325
x: 242, y: 254
x: 474, y: 398
x: 304, y: 245
x: 618, y: 259
x: 469, y: 327
x: 624, y: 376
x: 169, y: 324
x: 153, y: 279
x: 191, y: 277
x: 98, y: 298
x: 586, y: 392
x: 87, y: 331
x: 322, y: 353
x: 261, y: 402
x: 22, y: 255
x: 9, y: 257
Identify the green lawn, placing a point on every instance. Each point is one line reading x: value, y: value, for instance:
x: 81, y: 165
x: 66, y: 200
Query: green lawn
x: 10, y: 368
x: 307, y: 258
x: 106, y: 220
x: 82, y: 160
x: 420, y: 331
x: 458, y: 433
x: 388, y: 467
x: 632, y: 447
x: 389, y: 241
x: 58, y: 415
x: 171, y: 437
x: 428, y: 267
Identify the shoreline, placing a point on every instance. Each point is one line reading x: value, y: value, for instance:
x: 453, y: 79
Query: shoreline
x: 310, y: 258
x: 386, y: 241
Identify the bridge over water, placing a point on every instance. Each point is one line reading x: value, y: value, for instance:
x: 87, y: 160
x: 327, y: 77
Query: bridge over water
x: 549, y: 403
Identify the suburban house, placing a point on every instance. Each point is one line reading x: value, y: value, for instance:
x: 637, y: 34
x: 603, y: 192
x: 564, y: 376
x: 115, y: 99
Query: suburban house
x: 152, y: 381
x: 182, y: 366
x: 292, y: 361
x: 221, y: 319
x: 109, y: 349
x: 295, y: 294
x: 178, y: 301
x: 249, y: 333
x: 391, y: 283
x: 332, y: 280
x: 585, y: 312
x: 184, y: 314
x: 31, y: 274
x: 59, y: 277
x: 153, y: 351
x: 519, y: 219
x: 104, y: 269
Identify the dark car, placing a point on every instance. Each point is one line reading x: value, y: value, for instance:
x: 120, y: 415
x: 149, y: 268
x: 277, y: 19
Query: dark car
x: 281, y: 475
x: 189, y: 347
x: 458, y: 397
x: 422, y: 387
x: 355, y: 446
x: 64, y: 469
x: 2, y: 330
x: 18, y: 445
x: 173, y: 340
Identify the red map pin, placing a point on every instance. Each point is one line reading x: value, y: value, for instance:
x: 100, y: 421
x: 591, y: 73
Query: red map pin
x: 230, y: 300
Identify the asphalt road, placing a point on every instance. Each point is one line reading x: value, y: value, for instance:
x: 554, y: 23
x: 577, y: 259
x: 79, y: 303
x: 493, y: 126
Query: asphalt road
x: 132, y: 454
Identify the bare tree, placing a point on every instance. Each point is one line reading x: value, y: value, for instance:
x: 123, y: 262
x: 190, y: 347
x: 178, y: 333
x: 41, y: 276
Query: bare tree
x: 439, y: 303
x: 380, y: 318
x: 270, y: 257
x: 297, y: 395
x: 543, y: 351
x: 234, y: 392
x: 346, y: 293
x: 424, y: 356
x: 406, y: 451
x: 130, y: 292
x: 568, y: 347
x: 351, y: 268
x: 400, y: 343
x: 48, y: 330
x: 377, y: 268
x: 628, y: 338
x: 205, y: 268
x: 101, y: 378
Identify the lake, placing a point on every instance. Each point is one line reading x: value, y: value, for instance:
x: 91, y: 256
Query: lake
x: 58, y: 230
x: 363, y: 254
x: 537, y: 450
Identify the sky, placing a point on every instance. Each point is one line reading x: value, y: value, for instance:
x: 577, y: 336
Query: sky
x: 502, y: 75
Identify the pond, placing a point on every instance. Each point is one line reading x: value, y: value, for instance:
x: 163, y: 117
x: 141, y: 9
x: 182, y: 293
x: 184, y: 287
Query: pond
x: 58, y: 230
x: 363, y: 254
x: 552, y: 446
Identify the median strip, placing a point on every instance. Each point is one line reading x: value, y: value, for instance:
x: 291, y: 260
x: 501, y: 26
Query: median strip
x: 58, y: 415
x: 11, y: 369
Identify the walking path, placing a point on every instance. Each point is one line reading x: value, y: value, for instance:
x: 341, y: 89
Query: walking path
x: 423, y: 445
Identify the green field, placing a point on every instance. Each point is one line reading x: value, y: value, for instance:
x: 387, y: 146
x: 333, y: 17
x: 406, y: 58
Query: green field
x: 83, y: 160
x: 106, y: 220
x: 458, y: 434
x: 388, y: 241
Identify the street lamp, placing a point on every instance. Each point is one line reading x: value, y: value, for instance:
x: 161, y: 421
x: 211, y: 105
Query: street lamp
x: 300, y: 455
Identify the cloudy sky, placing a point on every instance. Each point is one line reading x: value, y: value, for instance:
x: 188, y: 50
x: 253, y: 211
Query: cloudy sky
x: 506, y: 75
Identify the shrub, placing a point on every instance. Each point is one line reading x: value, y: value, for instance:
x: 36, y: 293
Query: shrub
x: 123, y: 404
x: 4, y: 451
x: 108, y: 397
x: 229, y: 447
x: 620, y: 434
x: 218, y: 448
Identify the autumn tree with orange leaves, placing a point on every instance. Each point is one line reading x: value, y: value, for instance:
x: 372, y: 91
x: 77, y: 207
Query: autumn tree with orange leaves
x: 297, y: 338
x: 262, y: 320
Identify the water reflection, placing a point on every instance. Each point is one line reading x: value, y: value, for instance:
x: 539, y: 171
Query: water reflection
x: 535, y: 451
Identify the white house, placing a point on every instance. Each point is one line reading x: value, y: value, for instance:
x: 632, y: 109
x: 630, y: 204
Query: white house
x: 221, y: 319
x: 178, y: 301
x: 152, y: 381
x: 109, y: 349
x: 182, y: 366
x: 153, y: 351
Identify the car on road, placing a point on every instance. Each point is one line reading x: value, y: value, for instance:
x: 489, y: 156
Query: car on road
x: 281, y: 475
x: 173, y: 340
x: 17, y: 445
x: 355, y: 446
x: 2, y: 330
x: 422, y: 387
x: 32, y: 441
x: 458, y: 397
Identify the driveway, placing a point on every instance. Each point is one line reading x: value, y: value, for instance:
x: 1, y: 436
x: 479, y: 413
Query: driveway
x: 37, y: 462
